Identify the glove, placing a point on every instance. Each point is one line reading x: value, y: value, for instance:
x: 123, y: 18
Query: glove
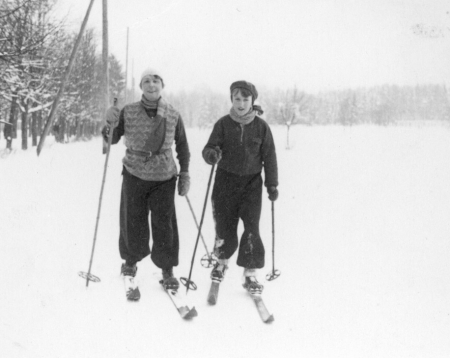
x: 184, y: 182
x: 212, y: 156
x: 105, y: 132
x: 273, y: 193
x: 112, y: 116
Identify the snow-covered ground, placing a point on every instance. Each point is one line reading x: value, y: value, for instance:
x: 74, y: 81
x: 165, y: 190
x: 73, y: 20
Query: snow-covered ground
x: 362, y: 241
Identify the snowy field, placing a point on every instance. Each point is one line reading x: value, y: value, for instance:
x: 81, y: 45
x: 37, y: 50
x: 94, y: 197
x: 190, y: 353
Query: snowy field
x: 362, y: 241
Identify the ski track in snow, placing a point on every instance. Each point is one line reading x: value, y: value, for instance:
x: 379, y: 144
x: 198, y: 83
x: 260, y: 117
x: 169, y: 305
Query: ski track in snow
x: 362, y: 242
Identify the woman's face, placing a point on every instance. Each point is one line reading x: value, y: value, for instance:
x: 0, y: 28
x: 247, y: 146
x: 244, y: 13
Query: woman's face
x: 241, y: 104
x: 151, y: 87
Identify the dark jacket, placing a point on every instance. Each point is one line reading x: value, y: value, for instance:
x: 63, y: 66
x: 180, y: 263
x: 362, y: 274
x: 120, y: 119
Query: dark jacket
x: 246, y: 149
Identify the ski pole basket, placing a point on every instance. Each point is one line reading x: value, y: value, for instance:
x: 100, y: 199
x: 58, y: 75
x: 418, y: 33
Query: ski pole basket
x: 188, y: 283
x: 208, y: 260
x: 273, y: 275
x: 88, y: 276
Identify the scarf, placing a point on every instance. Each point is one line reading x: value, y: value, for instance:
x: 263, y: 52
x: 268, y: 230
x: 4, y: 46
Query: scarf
x: 156, y: 137
x: 160, y: 105
x: 246, y: 118
x: 149, y: 104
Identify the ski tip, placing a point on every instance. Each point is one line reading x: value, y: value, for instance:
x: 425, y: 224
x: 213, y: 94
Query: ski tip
x: 270, y: 319
x: 191, y: 314
x: 133, y: 295
x: 187, y: 313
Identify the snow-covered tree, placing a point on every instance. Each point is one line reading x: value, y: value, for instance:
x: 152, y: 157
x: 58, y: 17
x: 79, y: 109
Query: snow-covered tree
x: 290, y: 108
x: 26, y: 32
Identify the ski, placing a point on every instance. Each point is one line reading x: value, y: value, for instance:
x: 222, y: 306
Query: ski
x: 264, y: 313
x: 213, y: 293
x: 185, y: 310
x: 131, y: 288
x: 261, y: 307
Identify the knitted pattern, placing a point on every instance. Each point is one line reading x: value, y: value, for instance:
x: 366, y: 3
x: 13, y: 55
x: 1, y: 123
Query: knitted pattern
x: 144, y: 134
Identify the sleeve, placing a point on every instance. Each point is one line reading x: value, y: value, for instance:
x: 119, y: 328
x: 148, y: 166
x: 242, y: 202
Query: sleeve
x: 215, y: 139
x: 269, y: 158
x: 181, y: 146
x: 118, y: 131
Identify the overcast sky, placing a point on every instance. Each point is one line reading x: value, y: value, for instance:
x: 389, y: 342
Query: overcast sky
x: 313, y: 44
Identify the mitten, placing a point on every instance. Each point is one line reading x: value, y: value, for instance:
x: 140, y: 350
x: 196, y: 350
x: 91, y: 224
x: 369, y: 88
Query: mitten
x: 112, y: 116
x: 212, y: 156
x: 184, y: 182
x: 273, y: 193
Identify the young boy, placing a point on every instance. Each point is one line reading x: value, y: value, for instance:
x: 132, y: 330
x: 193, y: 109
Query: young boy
x: 241, y: 145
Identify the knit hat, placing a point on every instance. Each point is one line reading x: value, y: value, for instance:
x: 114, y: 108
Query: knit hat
x: 247, y: 85
x: 151, y: 72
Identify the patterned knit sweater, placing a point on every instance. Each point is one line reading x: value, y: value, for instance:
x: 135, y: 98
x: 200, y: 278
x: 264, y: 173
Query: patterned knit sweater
x: 149, y: 140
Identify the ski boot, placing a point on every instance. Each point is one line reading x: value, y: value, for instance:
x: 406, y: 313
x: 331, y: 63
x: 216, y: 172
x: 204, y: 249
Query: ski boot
x: 251, y: 284
x: 128, y: 270
x: 169, y: 281
x: 218, y: 272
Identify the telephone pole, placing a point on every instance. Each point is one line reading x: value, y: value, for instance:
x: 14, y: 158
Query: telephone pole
x: 105, y: 57
x: 126, y: 71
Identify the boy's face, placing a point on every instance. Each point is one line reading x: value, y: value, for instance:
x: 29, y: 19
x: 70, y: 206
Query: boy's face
x: 241, y: 104
x: 151, y: 87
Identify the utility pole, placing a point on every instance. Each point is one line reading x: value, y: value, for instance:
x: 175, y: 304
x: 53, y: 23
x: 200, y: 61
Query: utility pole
x: 132, y: 81
x: 126, y: 70
x: 105, y: 54
x: 105, y: 67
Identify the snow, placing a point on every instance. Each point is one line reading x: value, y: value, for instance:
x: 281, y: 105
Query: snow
x: 362, y: 241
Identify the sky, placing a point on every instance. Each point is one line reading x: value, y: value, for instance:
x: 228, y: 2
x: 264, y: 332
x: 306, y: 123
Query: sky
x: 314, y: 45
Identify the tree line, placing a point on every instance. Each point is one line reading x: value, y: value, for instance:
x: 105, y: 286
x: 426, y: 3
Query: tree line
x: 35, y: 49
x: 381, y: 105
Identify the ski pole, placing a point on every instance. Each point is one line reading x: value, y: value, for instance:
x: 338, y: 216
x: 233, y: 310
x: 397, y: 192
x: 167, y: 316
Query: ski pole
x: 207, y: 260
x: 87, y: 275
x: 187, y: 282
x: 275, y: 273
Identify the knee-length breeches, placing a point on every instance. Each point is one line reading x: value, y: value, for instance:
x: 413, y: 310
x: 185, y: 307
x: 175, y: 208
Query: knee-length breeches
x: 237, y: 197
x: 139, y: 198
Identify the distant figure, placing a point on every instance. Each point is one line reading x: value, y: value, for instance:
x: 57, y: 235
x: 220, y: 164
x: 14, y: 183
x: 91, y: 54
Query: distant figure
x: 241, y: 145
x: 150, y: 126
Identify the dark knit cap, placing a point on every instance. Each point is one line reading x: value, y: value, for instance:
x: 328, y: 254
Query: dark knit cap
x: 247, y: 85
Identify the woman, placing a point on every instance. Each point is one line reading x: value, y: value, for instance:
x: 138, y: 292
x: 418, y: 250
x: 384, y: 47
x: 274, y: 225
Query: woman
x: 150, y: 126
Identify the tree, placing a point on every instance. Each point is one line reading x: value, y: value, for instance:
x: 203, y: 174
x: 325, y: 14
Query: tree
x: 290, y: 108
x: 348, y: 109
x: 25, y: 30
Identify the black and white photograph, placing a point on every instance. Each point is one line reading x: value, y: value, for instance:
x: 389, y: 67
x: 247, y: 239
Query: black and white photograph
x: 225, y: 178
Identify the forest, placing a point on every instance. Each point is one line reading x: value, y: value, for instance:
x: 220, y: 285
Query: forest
x: 34, y: 53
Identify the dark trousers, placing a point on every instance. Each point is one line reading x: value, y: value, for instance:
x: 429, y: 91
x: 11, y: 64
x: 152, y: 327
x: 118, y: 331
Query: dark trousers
x: 139, y: 198
x: 237, y: 197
